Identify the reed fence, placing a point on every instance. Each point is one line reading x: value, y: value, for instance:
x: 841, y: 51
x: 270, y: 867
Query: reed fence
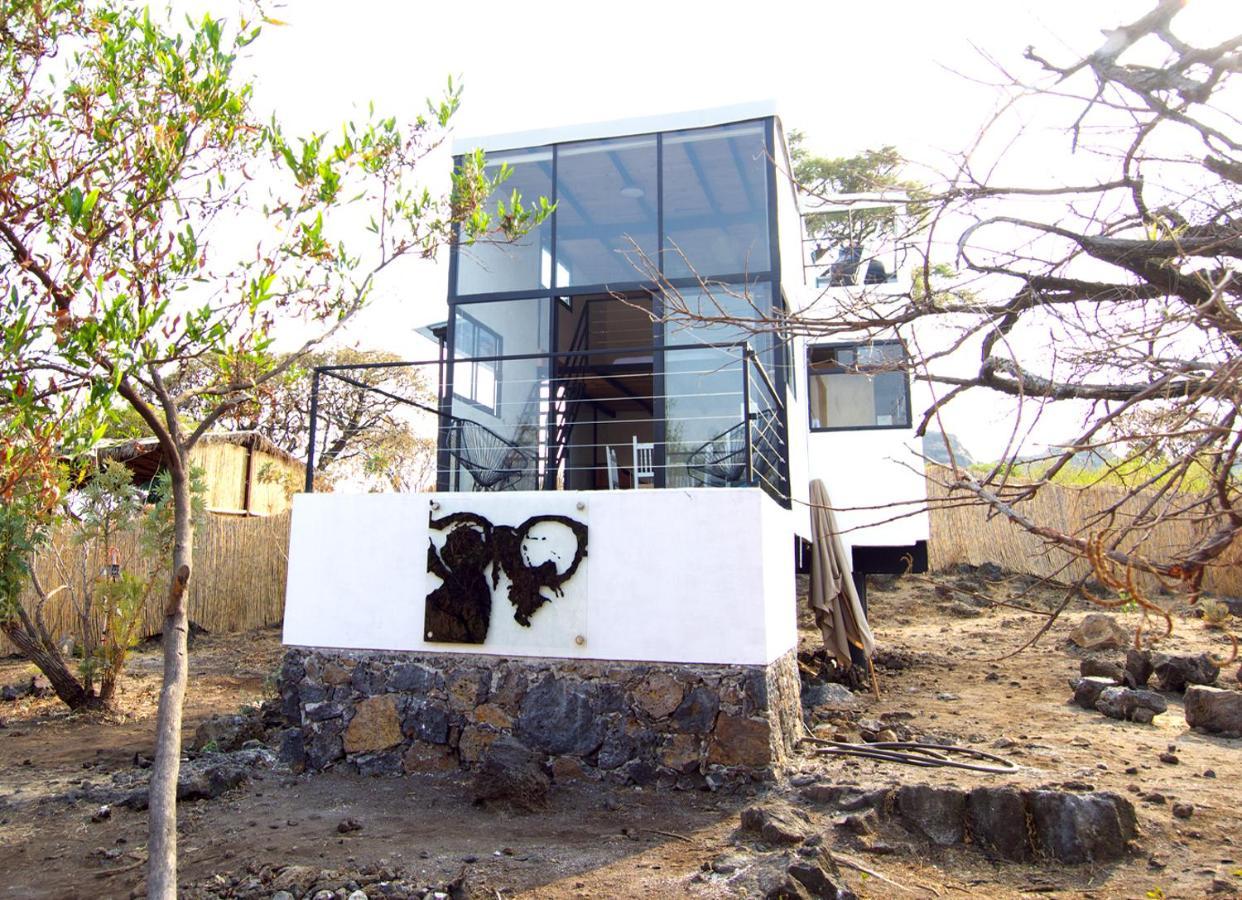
x: 237, y: 583
x: 966, y: 534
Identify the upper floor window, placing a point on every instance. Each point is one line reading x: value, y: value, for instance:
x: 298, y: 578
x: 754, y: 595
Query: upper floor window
x: 606, y: 211
x: 491, y: 266
x: 475, y: 379
x: 716, y: 201
x: 858, y: 386
x: 708, y: 186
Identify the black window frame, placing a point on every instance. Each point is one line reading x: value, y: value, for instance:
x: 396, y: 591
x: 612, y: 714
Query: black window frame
x: 472, y: 362
x: 856, y: 370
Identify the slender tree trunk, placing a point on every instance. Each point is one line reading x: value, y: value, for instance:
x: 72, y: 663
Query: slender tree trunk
x: 52, y: 665
x: 162, y: 816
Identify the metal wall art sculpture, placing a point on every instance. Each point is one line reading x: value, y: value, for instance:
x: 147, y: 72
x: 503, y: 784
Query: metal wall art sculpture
x: 459, y: 611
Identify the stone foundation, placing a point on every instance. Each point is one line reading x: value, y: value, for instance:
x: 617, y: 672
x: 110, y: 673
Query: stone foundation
x: 631, y: 722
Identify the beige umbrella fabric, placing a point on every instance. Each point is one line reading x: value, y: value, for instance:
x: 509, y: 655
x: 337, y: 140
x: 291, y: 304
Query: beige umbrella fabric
x: 838, y: 612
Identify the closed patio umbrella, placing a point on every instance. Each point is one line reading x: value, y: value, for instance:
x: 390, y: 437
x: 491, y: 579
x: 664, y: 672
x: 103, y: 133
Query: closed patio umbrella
x: 834, y: 600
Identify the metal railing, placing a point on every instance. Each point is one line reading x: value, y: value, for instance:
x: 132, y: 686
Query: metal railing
x: 705, y: 415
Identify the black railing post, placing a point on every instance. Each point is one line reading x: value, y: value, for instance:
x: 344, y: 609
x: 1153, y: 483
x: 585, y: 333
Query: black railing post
x: 750, y: 444
x: 310, y: 444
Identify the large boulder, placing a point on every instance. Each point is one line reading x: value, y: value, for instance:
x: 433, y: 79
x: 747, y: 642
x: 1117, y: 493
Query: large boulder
x: 938, y: 814
x: 1081, y: 828
x: 1173, y: 673
x: 511, y: 772
x: 1099, y: 631
x: 1094, y: 667
x: 1214, y: 709
x: 1087, y: 690
x: 776, y: 823
x: 1130, y: 706
x: 997, y: 818
x: 558, y: 716
x: 1138, y: 667
x: 225, y: 734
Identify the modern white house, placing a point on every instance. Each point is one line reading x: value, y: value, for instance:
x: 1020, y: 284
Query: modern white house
x: 623, y: 468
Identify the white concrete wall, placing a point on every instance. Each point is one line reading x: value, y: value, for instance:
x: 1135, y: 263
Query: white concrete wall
x: 701, y: 575
x: 866, y: 471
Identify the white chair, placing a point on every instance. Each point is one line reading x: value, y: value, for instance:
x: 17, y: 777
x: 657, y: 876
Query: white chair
x: 614, y: 479
x: 644, y: 463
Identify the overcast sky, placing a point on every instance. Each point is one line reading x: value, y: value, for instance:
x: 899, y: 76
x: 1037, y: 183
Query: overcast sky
x: 851, y: 75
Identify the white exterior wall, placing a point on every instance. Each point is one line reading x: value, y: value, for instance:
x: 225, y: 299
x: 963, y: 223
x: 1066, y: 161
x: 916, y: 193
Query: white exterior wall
x: 872, y: 468
x: 697, y: 576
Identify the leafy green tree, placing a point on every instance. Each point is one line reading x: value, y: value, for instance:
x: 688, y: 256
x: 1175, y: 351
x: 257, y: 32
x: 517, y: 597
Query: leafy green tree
x: 126, y: 145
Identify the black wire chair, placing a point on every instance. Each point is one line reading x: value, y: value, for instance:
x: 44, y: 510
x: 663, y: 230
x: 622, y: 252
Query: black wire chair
x: 721, y: 460
x: 494, y: 463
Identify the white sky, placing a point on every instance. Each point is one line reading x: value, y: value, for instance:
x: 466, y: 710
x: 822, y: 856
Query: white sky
x: 851, y: 75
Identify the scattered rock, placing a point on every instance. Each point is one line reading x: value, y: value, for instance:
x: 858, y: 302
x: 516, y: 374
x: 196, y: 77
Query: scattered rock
x: 1173, y: 673
x: 1183, y: 810
x: 1099, y: 631
x: 207, y: 777
x: 1087, y: 690
x: 511, y: 772
x: 1130, y: 705
x: 1169, y: 758
x: 776, y: 824
x: 1138, y: 668
x: 828, y: 695
x: 1214, y: 709
x: 820, y: 876
x: 1092, y: 667
x: 227, y: 733
x: 348, y: 826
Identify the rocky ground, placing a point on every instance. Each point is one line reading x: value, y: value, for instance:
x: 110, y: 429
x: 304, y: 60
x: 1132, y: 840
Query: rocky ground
x: 72, y: 787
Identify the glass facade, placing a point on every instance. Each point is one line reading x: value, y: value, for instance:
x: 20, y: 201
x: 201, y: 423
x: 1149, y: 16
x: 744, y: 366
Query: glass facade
x: 606, y: 227
x: 487, y: 267
x: 592, y: 377
x: 715, y: 201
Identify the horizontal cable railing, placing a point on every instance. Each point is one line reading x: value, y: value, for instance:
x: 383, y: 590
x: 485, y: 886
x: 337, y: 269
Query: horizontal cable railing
x: 684, y: 415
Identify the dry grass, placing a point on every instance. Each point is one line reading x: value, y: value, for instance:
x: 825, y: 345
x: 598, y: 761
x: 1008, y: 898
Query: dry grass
x: 965, y: 534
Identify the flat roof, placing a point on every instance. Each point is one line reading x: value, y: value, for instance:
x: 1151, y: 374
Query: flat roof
x: 699, y: 118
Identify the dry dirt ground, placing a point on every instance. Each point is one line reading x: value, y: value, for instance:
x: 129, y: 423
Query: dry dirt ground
x: 943, y: 676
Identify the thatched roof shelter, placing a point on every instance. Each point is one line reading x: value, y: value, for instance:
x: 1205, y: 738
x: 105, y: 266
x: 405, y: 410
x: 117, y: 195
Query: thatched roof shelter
x: 245, y: 473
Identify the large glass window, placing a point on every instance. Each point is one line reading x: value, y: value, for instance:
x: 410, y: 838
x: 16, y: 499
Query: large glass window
x: 703, y: 382
x: 716, y: 201
x: 475, y: 379
x: 858, y: 386
x: 496, y: 433
x: 606, y: 211
x: 488, y: 266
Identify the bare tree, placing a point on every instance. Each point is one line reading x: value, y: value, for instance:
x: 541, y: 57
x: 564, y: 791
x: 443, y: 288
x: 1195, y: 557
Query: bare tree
x: 1111, y: 286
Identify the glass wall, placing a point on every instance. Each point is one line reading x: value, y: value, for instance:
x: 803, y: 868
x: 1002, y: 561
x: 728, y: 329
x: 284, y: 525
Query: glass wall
x: 525, y: 264
x: 703, y: 383
x: 715, y: 201
x: 709, y: 186
x: 499, y: 408
x: 606, y: 211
